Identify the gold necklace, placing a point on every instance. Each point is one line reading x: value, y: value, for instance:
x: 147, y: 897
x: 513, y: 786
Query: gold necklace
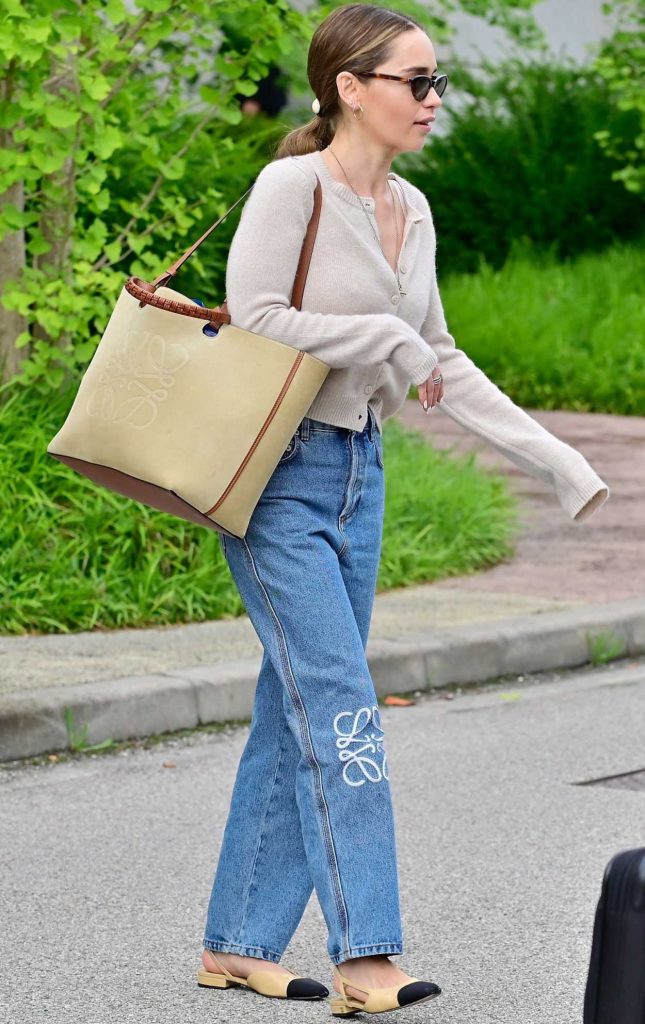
x: 396, y: 223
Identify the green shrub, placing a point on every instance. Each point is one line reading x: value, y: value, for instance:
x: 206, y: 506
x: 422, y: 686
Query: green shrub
x: 520, y: 161
x: 74, y: 556
x: 100, y: 93
x: 619, y: 62
x: 557, y: 335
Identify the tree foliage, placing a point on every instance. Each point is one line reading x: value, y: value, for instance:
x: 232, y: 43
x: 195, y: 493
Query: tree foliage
x: 620, y: 63
x: 84, y: 84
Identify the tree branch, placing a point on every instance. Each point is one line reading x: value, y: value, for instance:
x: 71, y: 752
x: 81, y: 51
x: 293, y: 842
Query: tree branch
x: 149, y: 231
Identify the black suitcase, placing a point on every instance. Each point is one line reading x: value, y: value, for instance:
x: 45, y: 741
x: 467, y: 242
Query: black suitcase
x: 615, y: 992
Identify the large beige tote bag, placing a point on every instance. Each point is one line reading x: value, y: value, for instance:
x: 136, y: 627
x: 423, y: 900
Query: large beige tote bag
x: 188, y: 422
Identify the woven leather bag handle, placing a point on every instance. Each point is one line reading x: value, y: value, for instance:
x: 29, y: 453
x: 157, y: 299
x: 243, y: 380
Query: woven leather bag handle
x: 145, y: 291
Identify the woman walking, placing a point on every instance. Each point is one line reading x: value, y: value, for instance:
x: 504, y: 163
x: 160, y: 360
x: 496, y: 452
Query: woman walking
x: 311, y: 805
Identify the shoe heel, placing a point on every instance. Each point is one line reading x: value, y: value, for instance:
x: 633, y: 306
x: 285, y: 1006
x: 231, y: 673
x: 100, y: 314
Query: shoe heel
x: 339, y: 1008
x: 207, y: 980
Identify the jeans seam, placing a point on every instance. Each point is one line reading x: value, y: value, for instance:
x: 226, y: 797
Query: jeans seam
x: 301, y: 714
x: 259, y: 846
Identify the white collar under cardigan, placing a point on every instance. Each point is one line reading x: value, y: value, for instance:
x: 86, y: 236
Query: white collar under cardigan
x: 376, y: 342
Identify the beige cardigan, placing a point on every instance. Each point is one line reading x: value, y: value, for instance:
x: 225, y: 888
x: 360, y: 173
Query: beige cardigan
x: 376, y: 342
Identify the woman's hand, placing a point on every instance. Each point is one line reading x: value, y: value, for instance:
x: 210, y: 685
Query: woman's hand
x: 429, y: 392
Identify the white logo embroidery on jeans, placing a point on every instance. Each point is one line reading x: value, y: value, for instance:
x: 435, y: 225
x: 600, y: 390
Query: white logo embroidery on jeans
x: 354, y: 757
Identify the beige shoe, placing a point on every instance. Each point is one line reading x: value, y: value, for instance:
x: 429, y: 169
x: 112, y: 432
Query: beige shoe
x: 266, y: 983
x: 380, y: 1000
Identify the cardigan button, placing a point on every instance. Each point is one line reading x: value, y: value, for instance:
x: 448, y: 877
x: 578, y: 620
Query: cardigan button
x: 368, y: 389
x: 403, y: 270
x: 395, y: 300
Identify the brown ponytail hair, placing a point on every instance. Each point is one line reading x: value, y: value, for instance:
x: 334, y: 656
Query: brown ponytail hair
x: 354, y: 37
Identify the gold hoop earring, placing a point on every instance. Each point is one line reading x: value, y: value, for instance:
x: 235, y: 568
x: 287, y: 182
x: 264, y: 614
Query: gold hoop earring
x: 354, y: 109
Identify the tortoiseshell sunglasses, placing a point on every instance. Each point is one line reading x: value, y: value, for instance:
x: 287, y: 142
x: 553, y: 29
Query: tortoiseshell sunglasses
x: 420, y: 85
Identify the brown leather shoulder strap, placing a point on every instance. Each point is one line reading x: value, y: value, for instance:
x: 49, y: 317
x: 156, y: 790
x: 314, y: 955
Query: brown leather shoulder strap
x: 307, y: 248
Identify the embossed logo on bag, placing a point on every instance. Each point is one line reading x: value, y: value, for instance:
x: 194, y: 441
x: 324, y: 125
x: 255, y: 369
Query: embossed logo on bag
x: 365, y: 735
x: 136, y: 380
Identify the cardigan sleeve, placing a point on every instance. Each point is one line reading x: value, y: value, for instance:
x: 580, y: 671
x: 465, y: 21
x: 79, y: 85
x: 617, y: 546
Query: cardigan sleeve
x: 262, y: 262
x: 478, y: 405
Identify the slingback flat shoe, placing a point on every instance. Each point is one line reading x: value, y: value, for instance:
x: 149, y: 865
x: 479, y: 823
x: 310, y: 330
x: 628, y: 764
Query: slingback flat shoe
x: 266, y: 983
x: 380, y: 1000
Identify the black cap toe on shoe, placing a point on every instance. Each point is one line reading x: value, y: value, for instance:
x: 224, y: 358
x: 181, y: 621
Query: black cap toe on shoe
x: 306, y: 988
x: 417, y: 990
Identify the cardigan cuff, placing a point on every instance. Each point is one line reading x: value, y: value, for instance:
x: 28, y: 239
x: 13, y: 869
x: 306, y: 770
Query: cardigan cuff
x: 423, y: 369
x: 582, y: 504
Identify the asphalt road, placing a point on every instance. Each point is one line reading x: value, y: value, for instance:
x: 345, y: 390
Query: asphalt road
x: 106, y: 862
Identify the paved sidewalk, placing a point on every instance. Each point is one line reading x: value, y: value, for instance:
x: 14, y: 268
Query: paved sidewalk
x: 602, y: 559
x: 567, y: 582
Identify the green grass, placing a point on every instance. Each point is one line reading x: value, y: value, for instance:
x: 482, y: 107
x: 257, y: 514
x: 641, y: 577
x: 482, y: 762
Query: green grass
x: 76, y: 557
x: 443, y: 515
x: 605, y: 647
x: 557, y: 335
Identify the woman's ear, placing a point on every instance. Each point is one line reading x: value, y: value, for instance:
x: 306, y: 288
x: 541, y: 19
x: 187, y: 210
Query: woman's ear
x: 347, y: 86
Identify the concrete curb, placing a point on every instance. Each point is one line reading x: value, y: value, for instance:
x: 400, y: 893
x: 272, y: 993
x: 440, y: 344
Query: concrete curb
x: 34, y: 723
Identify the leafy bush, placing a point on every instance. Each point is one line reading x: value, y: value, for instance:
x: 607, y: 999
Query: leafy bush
x: 557, y: 335
x: 619, y: 61
x: 92, y: 91
x: 521, y: 161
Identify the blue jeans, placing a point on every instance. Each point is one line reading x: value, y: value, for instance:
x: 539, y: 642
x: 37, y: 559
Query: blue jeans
x: 311, y: 804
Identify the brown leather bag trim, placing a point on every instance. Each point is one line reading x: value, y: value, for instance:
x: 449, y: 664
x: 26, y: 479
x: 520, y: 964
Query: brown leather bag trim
x: 142, y: 290
x: 140, y: 490
x: 264, y: 428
